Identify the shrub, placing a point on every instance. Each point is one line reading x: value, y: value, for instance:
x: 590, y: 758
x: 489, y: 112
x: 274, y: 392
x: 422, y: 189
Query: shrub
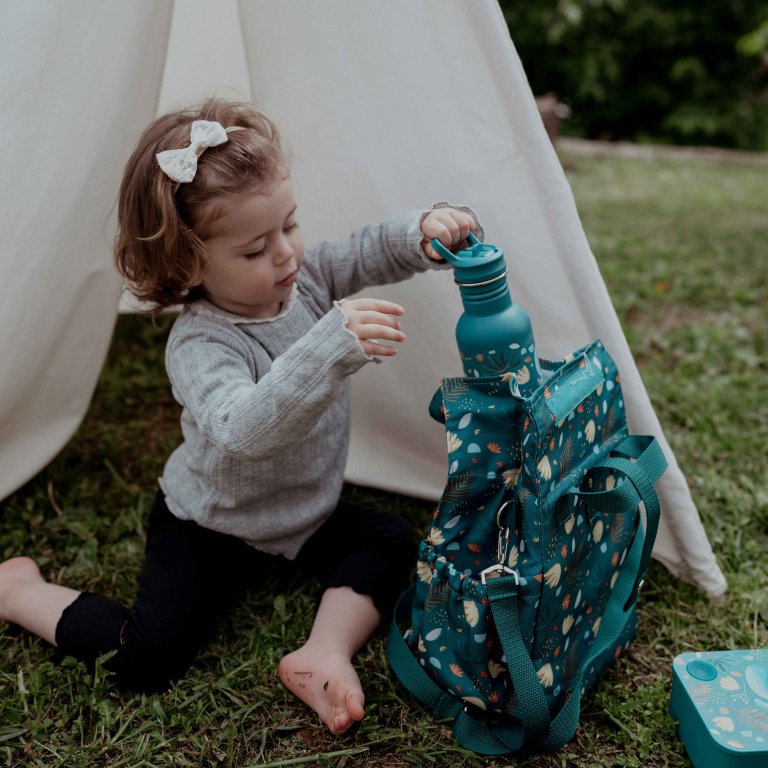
x: 674, y: 71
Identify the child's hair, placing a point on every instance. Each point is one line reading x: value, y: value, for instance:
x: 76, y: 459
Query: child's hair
x: 162, y: 224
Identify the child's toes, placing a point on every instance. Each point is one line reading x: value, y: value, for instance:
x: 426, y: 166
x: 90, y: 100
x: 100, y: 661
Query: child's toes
x: 348, y: 712
x: 355, y: 708
x: 340, y: 724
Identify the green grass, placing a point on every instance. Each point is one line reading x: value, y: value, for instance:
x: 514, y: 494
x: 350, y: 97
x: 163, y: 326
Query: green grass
x: 683, y: 247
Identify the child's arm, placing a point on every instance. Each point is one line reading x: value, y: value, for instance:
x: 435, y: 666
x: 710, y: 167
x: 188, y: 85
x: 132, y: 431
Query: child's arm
x: 257, y: 416
x: 387, y: 251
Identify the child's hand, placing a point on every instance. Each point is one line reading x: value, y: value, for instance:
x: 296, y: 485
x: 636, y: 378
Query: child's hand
x: 449, y: 225
x: 371, y: 319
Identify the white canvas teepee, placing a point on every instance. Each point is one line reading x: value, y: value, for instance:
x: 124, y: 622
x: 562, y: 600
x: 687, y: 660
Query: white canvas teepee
x: 385, y: 107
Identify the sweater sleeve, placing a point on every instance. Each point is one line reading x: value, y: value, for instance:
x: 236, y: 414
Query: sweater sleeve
x: 209, y: 370
x: 381, y: 253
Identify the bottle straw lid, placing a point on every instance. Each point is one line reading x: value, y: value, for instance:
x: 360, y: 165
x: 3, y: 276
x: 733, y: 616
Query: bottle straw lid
x: 476, y: 264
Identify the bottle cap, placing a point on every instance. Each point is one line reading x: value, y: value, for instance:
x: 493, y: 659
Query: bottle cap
x: 476, y: 264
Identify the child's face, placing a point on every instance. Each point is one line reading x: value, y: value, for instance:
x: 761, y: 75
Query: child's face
x: 255, y: 253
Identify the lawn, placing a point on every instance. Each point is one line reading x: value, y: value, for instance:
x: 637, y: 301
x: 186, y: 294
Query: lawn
x: 683, y: 246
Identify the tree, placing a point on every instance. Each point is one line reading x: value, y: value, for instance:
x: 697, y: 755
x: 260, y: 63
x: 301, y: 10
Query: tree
x: 679, y: 71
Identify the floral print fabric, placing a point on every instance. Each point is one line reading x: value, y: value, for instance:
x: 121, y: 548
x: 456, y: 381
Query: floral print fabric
x: 533, y: 453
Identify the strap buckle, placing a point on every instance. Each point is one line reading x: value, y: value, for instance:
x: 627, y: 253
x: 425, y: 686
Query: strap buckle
x: 494, y: 571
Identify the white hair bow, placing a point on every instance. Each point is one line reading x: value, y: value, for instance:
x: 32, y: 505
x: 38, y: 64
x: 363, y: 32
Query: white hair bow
x: 181, y: 164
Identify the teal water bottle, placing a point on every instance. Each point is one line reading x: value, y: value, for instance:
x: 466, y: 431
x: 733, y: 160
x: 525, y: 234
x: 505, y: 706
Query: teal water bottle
x: 494, y: 335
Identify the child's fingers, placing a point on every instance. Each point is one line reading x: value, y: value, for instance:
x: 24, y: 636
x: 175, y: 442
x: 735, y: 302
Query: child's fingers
x: 442, y: 226
x: 375, y: 349
x: 374, y: 305
x: 373, y: 320
x: 449, y: 226
x: 449, y: 222
x: 429, y: 251
x: 377, y: 331
x: 377, y: 318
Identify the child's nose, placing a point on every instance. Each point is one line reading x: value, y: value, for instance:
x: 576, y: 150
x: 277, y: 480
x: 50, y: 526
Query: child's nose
x: 284, y: 250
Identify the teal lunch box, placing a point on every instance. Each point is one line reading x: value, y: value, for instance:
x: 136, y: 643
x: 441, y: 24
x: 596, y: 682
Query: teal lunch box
x: 720, y: 700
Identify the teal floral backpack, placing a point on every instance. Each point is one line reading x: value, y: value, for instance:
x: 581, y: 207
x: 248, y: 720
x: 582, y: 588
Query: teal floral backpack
x: 527, y: 581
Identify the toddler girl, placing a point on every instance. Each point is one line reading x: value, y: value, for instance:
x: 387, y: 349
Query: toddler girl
x: 259, y: 359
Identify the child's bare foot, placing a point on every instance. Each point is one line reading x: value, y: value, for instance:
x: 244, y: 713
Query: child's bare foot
x: 28, y: 600
x: 16, y: 574
x: 325, y: 680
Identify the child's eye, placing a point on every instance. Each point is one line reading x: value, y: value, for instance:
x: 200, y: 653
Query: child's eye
x: 254, y: 254
x: 290, y: 227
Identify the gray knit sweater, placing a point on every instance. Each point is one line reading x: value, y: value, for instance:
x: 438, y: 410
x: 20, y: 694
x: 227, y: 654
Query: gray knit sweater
x: 266, y: 411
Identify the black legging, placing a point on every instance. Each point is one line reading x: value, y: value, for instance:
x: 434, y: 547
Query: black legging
x: 192, y: 575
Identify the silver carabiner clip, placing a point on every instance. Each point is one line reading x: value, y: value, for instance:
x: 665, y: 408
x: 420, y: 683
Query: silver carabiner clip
x: 502, y: 544
x: 502, y: 547
x: 498, y: 514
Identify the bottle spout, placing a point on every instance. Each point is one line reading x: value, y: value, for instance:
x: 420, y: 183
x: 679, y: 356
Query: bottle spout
x: 460, y: 257
x: 444, y: 253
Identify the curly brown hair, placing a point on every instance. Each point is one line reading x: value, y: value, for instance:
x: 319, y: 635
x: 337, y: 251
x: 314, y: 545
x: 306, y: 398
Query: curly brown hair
x: 162, y: 224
